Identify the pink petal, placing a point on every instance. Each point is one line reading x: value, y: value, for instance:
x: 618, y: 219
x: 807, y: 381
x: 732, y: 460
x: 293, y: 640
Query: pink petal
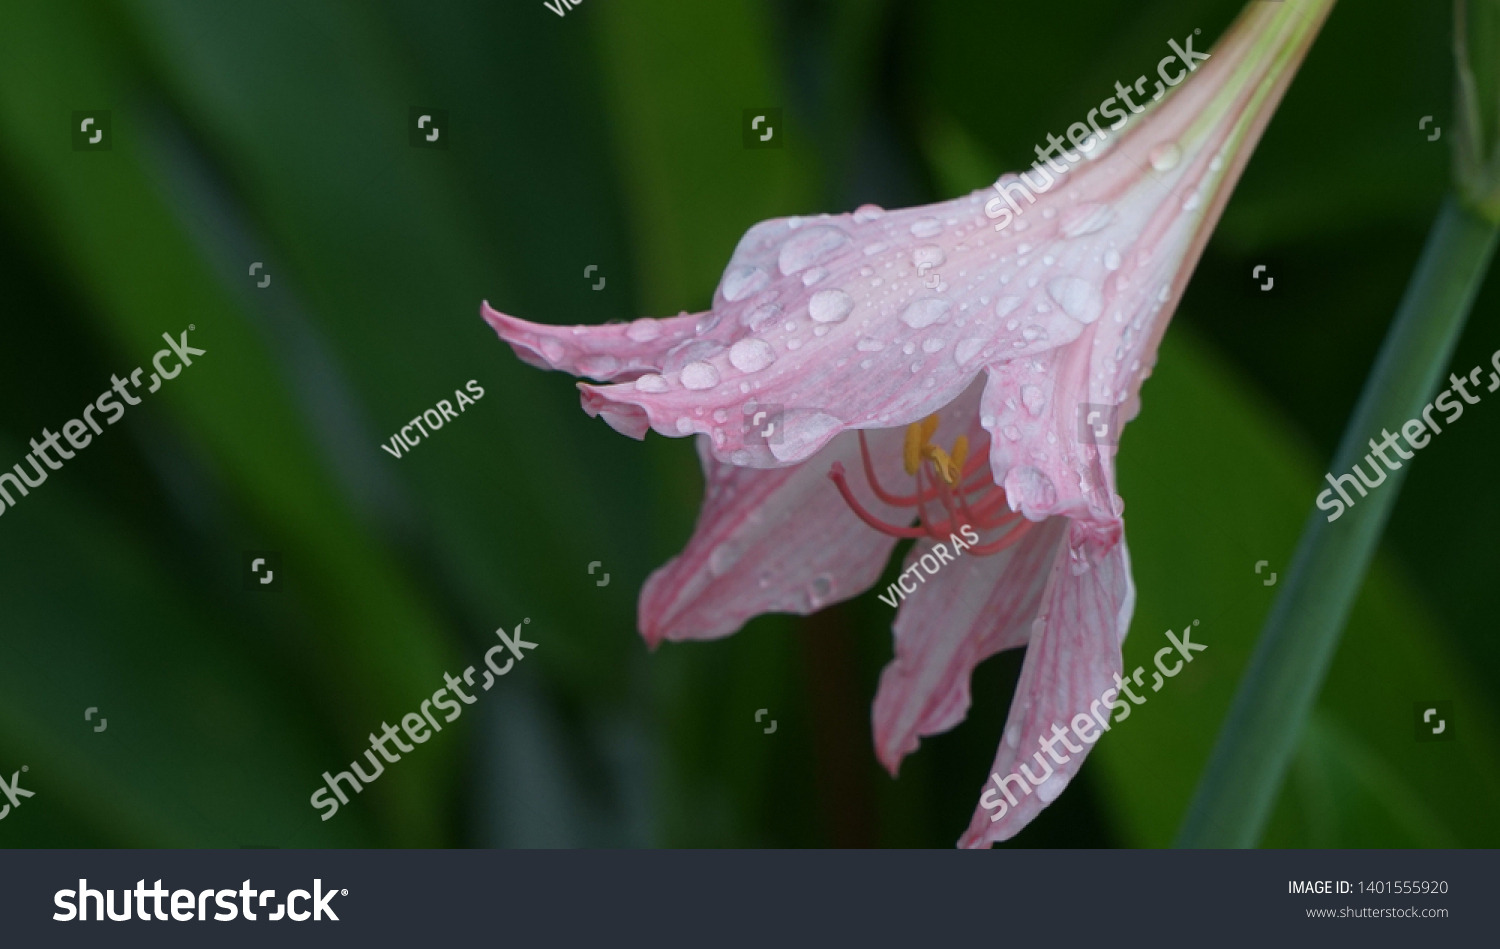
x: 1037, y: 448
x: 1165, y: 182
x: 771, y: 541
x: 614, y: 350
x: 1072, y: 659
x: 864, y: 345
x: 973, y: 608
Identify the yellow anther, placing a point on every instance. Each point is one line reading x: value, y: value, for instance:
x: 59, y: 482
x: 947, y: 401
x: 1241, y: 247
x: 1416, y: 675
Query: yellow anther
x: 912, y: 456
x: 941, y: 463
x: 929, y: 428
x: 960, y: 454
x: 918, y: 438
x: 950, y: 468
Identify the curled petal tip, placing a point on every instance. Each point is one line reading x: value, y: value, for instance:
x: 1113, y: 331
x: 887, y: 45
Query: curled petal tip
x: 624, y: 417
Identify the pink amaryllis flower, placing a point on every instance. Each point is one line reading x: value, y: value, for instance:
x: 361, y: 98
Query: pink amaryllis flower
x: 956, y: 374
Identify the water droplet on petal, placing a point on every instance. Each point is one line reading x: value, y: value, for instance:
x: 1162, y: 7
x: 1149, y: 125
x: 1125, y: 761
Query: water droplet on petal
x: 1077, y: 297
x: 809, y: 247
x: 643, y: 331
x: 1085, y: 219
x: 929, y: 254
x: 830, y: 306
x: 1078, y: 561
x: 819, y: 591
x: 723, y: 557
x: 1111, y: 260
x: 758, y: 318
x: 598, y: 367
x: 1033, y: 333
x: 684, y: 426
x: 739, y: 283
x: 927, y: 227
x: 553, y: 350
x: 866, y: 213
x: 1013, y: 734
x: 1192, y: 202
x: 1006, y: 304
x: 932, y: 344
x: 651, y: 382
x: 691, y: 350
x: 966, y: 350
x: 699, y: 375
x: 1034, y: 399
x: 1012, y: 433
x: 793, y: 344
x: 1165, y: 157
x: 923, y: 313
x: 1031, y: 489
x: 721, y: 416
x: 751, y: 355
x: 1052, y: 788
x: 813, y: 276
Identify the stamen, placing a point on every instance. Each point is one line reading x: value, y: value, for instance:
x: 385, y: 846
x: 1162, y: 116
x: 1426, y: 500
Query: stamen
x: 983, y: 511
x: 942, y: 464
x: 836, y: 473
x: 918, y: 434
x: 946, y: 493
x: 961, y: 483
x: 901, y: 500
x: 922, y: 507
x: 960, y: 454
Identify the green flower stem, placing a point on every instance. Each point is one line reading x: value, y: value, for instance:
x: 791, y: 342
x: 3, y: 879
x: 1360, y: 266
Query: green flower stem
x: 1249, y: 761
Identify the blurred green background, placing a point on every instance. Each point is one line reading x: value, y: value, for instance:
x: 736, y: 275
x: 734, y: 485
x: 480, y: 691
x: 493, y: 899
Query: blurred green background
x: 277, y: 132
